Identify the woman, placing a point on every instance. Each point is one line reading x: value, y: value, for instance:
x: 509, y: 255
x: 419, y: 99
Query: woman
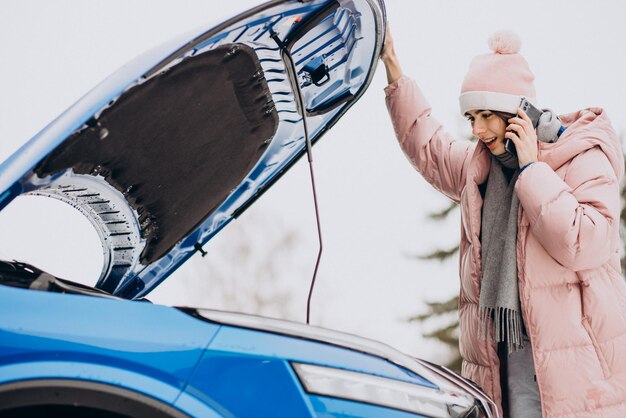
x: 542, y: 303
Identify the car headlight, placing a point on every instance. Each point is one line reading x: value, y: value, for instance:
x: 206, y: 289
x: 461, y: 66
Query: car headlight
x: 361, y: 387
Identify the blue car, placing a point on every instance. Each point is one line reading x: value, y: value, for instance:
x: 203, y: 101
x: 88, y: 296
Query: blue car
x: 159, y: 157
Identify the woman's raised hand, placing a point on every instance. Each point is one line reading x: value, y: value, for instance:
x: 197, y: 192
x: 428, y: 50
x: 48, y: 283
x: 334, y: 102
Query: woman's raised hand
x: 389, y: 58
x: 388, y: 51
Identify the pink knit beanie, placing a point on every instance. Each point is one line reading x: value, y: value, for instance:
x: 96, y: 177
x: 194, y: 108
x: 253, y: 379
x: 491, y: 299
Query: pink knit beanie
x: 498, y: 80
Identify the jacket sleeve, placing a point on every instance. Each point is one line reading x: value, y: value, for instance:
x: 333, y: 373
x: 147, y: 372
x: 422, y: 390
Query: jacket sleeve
x: 573, y: 219
x: 438, y: 157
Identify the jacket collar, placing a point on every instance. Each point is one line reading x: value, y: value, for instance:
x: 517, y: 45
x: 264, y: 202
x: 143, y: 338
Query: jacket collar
x: 586, y: 129
x: 479, y: 166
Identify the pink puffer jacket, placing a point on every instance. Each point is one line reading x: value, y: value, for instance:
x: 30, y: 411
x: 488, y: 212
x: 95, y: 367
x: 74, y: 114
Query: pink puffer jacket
x: 572, y: 293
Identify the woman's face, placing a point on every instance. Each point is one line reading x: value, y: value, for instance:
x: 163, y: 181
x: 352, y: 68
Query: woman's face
x: 488, y: 128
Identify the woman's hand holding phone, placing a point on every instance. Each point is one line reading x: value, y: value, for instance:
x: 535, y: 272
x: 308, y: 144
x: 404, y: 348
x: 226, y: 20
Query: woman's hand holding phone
x: 521, y: 131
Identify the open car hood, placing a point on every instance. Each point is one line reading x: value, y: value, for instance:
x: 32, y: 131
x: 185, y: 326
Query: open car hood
x: 166, y: 151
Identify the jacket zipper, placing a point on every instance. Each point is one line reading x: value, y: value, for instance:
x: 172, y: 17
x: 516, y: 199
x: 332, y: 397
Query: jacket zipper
x: 587, y: 326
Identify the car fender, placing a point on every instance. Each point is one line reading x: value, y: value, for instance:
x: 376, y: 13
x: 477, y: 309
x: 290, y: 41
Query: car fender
x: 109, y: 377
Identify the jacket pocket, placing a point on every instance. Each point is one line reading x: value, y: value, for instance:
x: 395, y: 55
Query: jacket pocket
x: 601, y: 359
x: 586, y: 280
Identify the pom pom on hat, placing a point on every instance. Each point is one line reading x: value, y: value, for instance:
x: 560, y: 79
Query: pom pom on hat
x: 505, y: 42
x: 499, y: 79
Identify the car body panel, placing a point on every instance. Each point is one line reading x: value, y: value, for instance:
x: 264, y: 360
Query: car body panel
x: 304, y: 350
x: 264, y: 386
x: 174, y: 357
x: 75, y: 331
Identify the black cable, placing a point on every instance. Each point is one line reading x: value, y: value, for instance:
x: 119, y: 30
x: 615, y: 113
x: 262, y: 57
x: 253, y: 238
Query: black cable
x: 309, y: 154
x: 319, y: 236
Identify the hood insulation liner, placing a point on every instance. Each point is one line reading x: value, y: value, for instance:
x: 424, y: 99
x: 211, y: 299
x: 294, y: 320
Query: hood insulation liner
x: 179, y: 143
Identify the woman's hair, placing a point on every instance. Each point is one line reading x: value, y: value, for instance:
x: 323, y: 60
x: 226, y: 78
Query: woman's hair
x: 504, y: 116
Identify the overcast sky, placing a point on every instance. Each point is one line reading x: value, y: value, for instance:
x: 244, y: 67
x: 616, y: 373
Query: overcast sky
x: 373, y: 205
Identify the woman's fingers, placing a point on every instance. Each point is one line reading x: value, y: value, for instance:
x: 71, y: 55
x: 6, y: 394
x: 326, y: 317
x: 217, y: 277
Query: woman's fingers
x: 525, y: 124
x: 388, y: 46
x: 523, y: 115
x: 513, y: 137
x: 519, y: 129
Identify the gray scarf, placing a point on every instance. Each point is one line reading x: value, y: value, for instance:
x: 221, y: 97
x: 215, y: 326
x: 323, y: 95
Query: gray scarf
x: 499, y: 297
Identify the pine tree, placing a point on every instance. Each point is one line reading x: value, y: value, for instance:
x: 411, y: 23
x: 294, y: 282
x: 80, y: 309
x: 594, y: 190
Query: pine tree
x: 448, y: 310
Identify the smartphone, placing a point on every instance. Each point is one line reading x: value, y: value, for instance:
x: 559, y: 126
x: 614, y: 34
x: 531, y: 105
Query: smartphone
x: 510, y: 147
x: 533, y: 113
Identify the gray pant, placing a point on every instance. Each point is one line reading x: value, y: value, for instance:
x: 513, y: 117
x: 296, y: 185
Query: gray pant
x: 523, y: 393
